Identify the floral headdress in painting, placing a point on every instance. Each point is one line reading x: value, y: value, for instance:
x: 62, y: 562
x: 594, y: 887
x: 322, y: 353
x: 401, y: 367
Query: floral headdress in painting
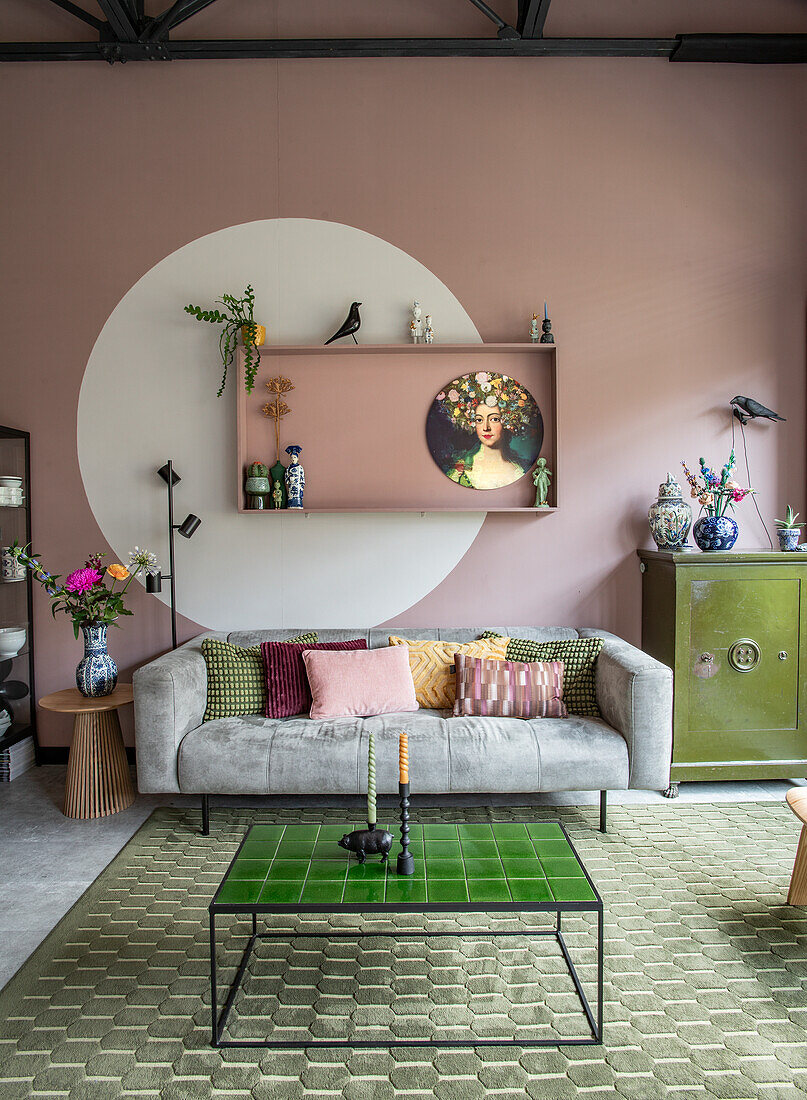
x: 461, y: 398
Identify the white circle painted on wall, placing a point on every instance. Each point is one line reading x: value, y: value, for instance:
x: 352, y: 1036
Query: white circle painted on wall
x: 161, y: 367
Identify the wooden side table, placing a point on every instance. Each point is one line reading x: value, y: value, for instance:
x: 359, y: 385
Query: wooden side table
x: 797, y: 800
x: 98, y: 778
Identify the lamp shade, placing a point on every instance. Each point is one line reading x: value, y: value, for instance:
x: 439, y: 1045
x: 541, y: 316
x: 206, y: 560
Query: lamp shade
x: 189, y: 525
x: 154, y: 582
x: 163, y: 472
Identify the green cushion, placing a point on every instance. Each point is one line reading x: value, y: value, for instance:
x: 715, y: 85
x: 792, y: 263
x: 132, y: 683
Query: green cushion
x: 236, y: 677
x: 579, y: 656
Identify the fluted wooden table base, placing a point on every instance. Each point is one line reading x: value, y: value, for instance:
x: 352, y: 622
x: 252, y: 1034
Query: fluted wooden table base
x: 98, y: 778
x: 797, y: 800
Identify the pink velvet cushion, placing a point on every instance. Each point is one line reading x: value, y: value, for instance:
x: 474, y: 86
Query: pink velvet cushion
x: 508, y: 689
x: 375, y: 681
x: 287, y: 690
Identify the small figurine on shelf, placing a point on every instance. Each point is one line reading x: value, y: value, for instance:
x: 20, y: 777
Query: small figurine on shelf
x: 416, y: 324
x: 429, y: 334
x: 535, y: 335
x: 541, y: 477
x: 546, y: 325
x: 295, y: 478
x: 277, y: 492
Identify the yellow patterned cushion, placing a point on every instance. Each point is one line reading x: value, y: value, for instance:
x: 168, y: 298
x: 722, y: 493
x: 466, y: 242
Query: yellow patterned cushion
x: 432, y: 665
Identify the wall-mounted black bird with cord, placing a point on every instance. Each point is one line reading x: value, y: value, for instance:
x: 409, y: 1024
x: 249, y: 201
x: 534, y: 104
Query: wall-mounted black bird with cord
x: 746, y: 408
x: 349, y: 327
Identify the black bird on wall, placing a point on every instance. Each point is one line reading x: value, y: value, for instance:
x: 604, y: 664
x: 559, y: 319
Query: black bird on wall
x: 350, y: 326
x: 746, y: 408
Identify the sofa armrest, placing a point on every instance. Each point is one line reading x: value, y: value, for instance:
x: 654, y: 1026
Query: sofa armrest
x: 170, y: 695
x: 635, y: 696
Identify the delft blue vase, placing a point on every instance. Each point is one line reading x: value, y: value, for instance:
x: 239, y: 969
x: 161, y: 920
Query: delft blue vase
x: 715, y: 532
x: 96, y: 673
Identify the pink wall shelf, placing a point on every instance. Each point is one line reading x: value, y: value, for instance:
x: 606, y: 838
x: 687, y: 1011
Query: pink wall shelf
x: 359, y: 413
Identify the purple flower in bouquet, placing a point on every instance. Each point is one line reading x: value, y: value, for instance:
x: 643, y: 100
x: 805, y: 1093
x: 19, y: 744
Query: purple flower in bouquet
x: 82, y: 580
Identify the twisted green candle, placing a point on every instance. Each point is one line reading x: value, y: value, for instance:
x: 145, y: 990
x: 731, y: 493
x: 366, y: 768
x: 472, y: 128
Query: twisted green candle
x: 371, y: 810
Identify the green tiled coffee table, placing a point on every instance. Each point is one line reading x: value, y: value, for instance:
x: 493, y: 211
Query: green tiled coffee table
x: 500, y: 867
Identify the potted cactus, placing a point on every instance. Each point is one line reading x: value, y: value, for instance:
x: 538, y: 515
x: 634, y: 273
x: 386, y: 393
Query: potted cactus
x: 788, y: 531
x: 235, y: 316
x: 257, y: 484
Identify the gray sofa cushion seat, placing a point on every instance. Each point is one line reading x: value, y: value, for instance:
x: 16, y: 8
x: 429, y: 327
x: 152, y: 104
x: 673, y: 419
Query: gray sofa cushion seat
x: 254, y: 755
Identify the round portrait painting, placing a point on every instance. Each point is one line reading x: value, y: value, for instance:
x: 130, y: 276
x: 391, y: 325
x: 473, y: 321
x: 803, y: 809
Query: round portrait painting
x: 484, y: 430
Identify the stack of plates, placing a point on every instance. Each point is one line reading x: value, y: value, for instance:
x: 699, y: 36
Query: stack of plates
x: 11, y: 491
x: 17, y: 759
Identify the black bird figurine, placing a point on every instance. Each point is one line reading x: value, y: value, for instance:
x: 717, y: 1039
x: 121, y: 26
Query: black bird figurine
x: 746, y: 408
x: 349, y: 327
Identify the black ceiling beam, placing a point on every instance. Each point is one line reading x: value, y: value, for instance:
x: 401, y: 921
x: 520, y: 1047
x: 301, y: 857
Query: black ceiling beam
x: 179, y: 11
x: 337, y: 47
x: 742, y: 49
x: 775, y: 49
x: 531, y: 17
x: 117, y: 15
x: 79, y: 13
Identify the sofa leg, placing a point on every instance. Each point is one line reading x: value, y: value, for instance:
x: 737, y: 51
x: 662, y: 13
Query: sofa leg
x: 205, y: 815
x: 603, y: 811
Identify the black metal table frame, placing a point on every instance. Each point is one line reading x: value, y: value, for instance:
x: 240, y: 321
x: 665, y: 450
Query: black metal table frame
x: 253, y: 909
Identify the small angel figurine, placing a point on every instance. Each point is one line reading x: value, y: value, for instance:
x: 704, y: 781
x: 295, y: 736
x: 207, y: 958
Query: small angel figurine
x: 541, y: 478
x: 416, y: 324
x: 429, y: 335
x: 535, y: 335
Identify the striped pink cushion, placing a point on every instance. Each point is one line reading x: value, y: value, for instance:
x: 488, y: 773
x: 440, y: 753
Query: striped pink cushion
x: 508, y: 689
x: 287, y: 691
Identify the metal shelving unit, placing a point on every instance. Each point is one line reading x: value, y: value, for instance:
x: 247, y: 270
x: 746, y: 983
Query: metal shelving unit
x: 16, y: 597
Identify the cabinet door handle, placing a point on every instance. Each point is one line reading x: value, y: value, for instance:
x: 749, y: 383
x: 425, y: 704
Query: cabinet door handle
x: 707, y: 657
x: 782, y: 654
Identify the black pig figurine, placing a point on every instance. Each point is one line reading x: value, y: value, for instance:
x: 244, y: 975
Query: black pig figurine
x: 366, y: 842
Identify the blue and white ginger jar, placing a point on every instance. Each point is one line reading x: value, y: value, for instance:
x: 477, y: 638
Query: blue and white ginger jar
x: 670, y: 517
x: 96, y: 673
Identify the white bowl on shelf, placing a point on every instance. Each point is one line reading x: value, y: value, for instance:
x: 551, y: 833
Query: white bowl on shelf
x: 12, y: 639
x: 11, y: 482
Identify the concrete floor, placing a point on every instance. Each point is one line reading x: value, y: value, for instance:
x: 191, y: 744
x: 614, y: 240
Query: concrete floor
x: 50, y: 860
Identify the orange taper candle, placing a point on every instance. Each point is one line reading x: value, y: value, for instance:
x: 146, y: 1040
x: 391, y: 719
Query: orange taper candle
x: 403, y: 756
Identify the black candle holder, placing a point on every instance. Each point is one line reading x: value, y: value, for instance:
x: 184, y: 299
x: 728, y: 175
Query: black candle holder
x: 406, y: 862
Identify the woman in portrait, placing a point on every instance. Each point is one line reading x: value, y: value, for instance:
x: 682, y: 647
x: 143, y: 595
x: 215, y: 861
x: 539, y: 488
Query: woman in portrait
x: 494, y: 430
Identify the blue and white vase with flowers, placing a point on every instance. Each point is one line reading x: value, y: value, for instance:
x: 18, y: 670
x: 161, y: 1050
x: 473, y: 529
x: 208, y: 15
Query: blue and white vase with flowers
x: 92, y: 605
x: 715, y: 493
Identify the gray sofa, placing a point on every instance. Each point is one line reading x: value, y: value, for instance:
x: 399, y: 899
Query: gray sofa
x: 629, y: 747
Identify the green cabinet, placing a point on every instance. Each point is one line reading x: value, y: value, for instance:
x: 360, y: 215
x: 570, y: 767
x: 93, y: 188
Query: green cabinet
x: 733, y: 627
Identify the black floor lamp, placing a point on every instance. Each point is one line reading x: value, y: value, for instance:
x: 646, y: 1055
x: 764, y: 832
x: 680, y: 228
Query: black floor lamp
x: 186, y: 529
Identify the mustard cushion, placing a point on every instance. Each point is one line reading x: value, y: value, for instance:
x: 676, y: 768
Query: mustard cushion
x: 432, y: 666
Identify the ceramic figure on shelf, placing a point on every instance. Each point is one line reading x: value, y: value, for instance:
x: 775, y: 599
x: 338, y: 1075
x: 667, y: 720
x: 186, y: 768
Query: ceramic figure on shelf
x: 670, y: 517
x: 541, y: 478
x: 416, y: 324
x: 429, y: 333
x: 546, y: 326
x: 535, y: 335
x: 295, y: 478
x: 277, y: 495
x: 277, y: 476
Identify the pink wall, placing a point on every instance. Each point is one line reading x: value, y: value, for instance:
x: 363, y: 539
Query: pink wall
x: 659, y: 208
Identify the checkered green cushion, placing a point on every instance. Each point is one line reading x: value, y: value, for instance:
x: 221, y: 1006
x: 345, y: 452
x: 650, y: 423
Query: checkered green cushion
x: 579, y: 656
x: 236, y: 677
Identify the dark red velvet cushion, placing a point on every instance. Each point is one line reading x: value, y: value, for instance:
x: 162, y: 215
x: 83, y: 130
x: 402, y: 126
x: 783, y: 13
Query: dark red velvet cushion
x: 287, y: 690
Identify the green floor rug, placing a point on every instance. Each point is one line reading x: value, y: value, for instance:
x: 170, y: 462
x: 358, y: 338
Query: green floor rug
x: 705, y: 995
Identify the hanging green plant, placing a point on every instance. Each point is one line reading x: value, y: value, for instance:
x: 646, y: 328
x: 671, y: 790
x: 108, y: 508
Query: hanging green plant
x: 236, y: 313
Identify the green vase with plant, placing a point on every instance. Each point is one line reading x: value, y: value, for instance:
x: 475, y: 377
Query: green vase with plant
x: 235, y: 314
x: 788, y: 531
